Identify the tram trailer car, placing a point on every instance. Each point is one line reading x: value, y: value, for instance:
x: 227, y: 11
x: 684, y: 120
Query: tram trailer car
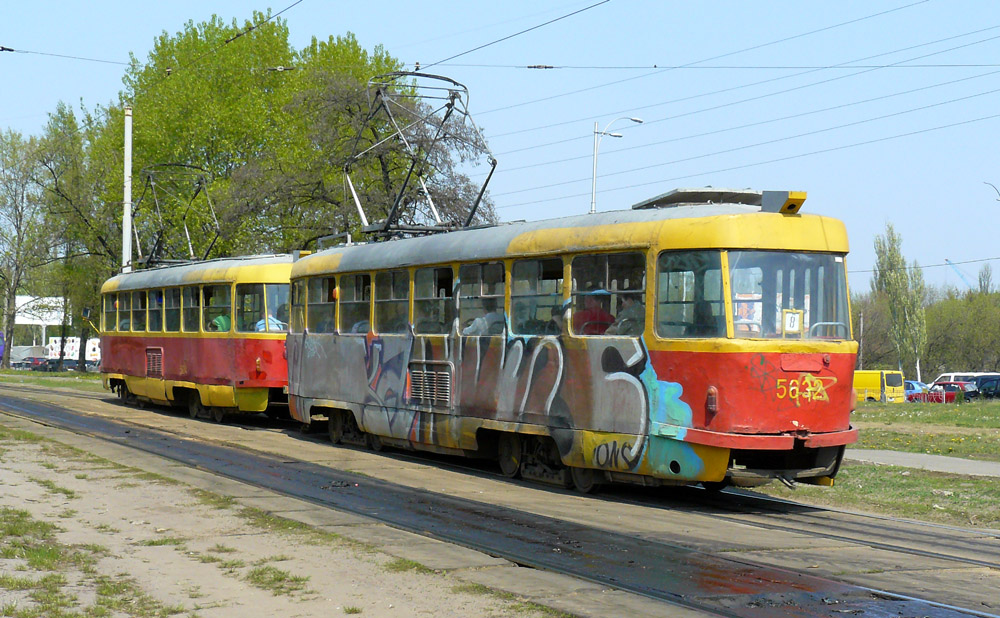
x: 702, y: 336
x: 209, y: 336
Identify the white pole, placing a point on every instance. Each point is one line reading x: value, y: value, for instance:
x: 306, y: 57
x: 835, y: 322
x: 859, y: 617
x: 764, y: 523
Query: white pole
x: 127, y: 215
x: 593, y: 184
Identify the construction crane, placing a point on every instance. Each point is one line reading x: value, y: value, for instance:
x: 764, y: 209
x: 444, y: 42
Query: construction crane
x: 961, y: 275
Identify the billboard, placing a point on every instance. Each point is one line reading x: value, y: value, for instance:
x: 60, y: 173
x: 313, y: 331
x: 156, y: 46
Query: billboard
x: 38, y: 311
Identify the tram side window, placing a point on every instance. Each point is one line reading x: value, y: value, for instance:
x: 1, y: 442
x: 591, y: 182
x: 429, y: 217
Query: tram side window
x: 172, y: 310
x: 689, y: 295
x: 249, y: 306
x: 608, y: 292
x: 217, y: 314
x: 191, y: 311
x: 110, y: 312
x: 355, y: 297
x: 124, y: 311
x: 139, y: 311
x: 536, y: 292
x: 277, y: 308
x: 298, y: 317
x: 392, y: 304
x: 480, y: 302
x: 155, y: 310
x: 322, y: 304
x: 433, y: 309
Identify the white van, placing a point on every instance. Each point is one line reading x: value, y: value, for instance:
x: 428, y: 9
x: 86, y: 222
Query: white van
x: 959, y: 376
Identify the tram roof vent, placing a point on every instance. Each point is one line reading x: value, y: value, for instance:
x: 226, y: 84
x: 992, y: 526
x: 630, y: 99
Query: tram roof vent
x: 786, y: 202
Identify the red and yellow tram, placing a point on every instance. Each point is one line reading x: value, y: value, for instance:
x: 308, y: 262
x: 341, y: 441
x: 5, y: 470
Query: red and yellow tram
x: 702, y: 336
x: 206, y: 335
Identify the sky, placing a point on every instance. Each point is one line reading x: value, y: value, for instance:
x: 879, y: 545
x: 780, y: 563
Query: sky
x: 883, y: 112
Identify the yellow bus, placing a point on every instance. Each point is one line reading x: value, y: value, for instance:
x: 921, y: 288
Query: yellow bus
x: 701, y: 336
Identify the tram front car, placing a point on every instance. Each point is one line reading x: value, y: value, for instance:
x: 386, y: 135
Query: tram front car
x: 701, y: 336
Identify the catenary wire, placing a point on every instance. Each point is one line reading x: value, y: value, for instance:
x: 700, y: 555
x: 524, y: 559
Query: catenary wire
x: 762, y: 82
x: 726, y: 55
x: 511, y: 36
x: 764, y: 143
x: 769, y: 161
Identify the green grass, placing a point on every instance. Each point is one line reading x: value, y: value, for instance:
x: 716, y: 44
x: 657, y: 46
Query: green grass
x: 978, y: 414
x: 352, y: 609
x: 515, y: 603
x: 162, y: 542
x: 984, y: 446
x: 400, y: 565
x: 275, y: 580
x: 89, y: 382
x: 52, y: 487
x: 904, y: 492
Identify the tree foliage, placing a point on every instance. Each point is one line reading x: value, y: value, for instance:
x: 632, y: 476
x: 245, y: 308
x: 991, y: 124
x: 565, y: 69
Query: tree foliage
x: 904, y: 290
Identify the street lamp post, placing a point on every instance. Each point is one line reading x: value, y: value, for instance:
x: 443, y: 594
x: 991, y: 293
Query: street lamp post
x: 598, y: 136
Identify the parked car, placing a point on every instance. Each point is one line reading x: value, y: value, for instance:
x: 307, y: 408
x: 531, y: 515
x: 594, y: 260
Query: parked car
x: 990, y: 388
x: 913, y: 387
x: 947, y: 391
x: 34, y: 363
x: 983, y: 378
x: 52, y: 364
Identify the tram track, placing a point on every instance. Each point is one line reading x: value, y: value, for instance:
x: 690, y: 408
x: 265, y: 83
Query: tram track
x: 652, y: 568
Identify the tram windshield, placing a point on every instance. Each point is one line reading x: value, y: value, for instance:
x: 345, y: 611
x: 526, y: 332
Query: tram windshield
x: 789, y: 295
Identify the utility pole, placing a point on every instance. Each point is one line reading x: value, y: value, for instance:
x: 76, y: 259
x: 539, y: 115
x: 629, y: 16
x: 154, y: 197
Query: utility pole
x: 127, y: 215
x: 861, y: 342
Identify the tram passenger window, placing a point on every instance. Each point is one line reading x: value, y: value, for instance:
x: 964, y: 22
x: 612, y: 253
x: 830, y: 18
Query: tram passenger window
x: 607, y: 287
x: 217, y: 314
x: 536, y: 297
x: 392, y: 304
x: 249, y: 306
x: 139, y: 311
x: 322, y: 304
x: 155, y: 310
x: 355, y: 298
x: 481, y: 299
x: 277, y: 308
x: 110, y: 312
x: 191, y: 310
x: 433, y: 308
x: 298, y: 316
x: 172, y: 310
x: 124, y: 311
x: 689, y: 295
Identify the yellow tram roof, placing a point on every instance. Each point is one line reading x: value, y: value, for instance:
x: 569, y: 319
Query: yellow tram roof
x: 680, y: 226
x: 249, y: 269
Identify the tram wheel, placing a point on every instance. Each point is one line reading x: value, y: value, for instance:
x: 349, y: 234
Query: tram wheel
x: 375, y: 443
x: 195, y: 409
x: 585, y: 480
x: 218, y: 414
x: 335, y: 426
x: 509, y: 454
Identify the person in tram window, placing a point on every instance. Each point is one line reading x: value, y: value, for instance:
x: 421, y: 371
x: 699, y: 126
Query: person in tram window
x: 269, y: 323
x: 221, y: 323
x: 631, y: 319
x: 491, y: 323
x: 594, y: 319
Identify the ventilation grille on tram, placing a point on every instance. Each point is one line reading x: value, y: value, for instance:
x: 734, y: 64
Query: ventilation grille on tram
x: 430, y: 383
x: 154, y: 363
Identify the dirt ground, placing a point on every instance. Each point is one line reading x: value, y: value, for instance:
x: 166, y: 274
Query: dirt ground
x: 82, y: 536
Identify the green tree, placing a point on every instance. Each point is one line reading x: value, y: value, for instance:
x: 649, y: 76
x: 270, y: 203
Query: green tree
x: 905, y: 290
x: 24, y: 241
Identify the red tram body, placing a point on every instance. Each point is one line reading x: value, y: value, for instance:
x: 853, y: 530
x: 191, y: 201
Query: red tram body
x: 206, y: 335
x: 703, y: 336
